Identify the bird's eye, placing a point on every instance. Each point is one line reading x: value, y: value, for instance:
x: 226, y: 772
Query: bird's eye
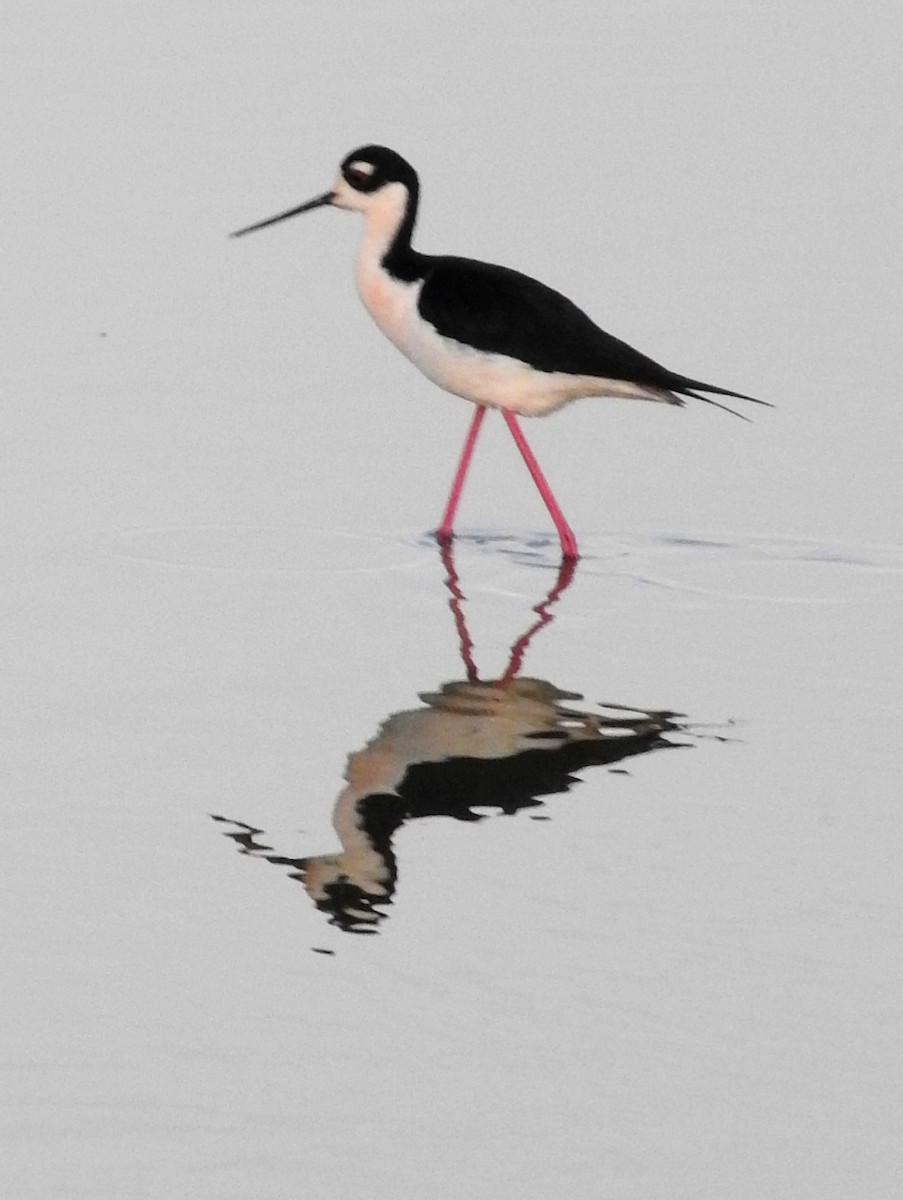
x: 357, y: 177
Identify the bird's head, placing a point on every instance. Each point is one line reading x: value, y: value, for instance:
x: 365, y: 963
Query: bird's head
x: 369, y: 179
x: 365, y: 174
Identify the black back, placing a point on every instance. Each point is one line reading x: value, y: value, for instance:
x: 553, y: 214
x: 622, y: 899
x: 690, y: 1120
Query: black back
x: 499, y: 310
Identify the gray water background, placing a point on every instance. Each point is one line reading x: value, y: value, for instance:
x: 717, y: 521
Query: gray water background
x: 216, y: 479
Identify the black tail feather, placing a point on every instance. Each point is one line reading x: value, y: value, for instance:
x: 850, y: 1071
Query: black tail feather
x: 723, y: 407
x: 693, y: 387
x: 690, y: 386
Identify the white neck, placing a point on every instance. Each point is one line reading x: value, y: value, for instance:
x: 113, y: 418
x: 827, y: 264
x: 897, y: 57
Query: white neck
x: 382, y: 219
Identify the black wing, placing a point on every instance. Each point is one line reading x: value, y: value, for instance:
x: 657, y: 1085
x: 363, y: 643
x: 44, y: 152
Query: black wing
x: 499, y: 310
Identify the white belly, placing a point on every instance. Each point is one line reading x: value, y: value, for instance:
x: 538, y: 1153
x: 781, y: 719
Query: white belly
x: 491, y: 380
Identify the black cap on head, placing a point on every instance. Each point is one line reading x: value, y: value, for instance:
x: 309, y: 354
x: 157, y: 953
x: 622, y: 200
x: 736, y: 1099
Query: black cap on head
x: 371, y: 167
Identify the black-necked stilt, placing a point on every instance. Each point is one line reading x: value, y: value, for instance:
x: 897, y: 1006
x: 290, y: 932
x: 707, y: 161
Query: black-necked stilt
x: 498, y: 338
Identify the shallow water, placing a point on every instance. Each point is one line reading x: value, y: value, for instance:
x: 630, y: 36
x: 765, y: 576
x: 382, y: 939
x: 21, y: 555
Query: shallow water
x: 699, y: 936
x: 610, y: 902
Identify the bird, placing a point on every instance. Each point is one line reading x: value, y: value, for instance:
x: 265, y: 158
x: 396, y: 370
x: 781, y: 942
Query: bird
x: 487, y: 333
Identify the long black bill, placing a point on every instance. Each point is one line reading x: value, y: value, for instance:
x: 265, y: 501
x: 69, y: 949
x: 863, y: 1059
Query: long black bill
x: 317, y: 202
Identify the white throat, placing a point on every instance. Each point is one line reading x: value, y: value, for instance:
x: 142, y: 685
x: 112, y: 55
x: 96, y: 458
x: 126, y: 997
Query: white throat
x: 389, y: 302
x: 383, y: 215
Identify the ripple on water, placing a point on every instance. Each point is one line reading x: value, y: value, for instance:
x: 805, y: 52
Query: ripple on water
x: 724, y: 565
x: 761, y: 568
x: 259, y: 549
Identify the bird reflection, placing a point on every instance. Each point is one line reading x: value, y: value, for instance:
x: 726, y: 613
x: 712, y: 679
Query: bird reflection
x: 502, y: 744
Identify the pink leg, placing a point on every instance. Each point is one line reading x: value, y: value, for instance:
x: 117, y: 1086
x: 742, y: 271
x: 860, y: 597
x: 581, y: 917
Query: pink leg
x: 444, y: 532
x: 456, y: 604
x: 543, y: 617
x: 568, y: 541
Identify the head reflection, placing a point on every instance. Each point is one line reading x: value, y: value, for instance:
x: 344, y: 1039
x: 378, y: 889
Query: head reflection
x: 501, y: 745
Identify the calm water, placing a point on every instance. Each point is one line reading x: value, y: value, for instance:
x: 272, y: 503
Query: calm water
x: 336, y: 866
